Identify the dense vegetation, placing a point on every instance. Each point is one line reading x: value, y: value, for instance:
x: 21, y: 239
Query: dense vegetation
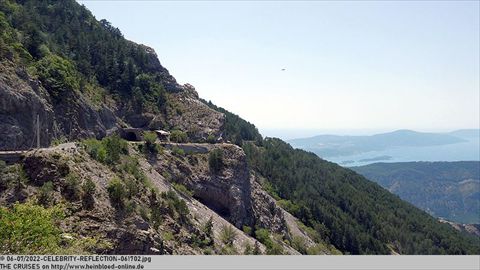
x: 449, y: 190
x: 108, y: 150
x: 352, y: 213
x: 69, y: 50
x: 29, y: 229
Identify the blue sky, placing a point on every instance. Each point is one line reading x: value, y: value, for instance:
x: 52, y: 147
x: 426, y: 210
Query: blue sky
x: 372, y: 65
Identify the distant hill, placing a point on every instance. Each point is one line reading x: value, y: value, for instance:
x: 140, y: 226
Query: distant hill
x: 466, y: 133
x: 334, y: 145
x: 450, y: 190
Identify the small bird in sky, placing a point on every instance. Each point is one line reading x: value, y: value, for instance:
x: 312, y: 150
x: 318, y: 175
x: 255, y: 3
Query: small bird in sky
x: 283, y: 69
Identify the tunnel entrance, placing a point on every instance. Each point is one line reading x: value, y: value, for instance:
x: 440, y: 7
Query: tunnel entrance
x: 219, y: 208
x: 130, y: 136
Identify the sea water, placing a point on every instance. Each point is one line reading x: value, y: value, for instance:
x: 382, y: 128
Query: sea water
x: 463, y: 151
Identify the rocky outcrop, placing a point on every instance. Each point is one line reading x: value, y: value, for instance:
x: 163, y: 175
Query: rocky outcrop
x: 266, y: 211
x: 153, y: 65
x: 228, y: 191
x: 41, y: 167
x: 233, y: 192
x: 76, y: 118
x: 23, y: 98
x: 194, y: 116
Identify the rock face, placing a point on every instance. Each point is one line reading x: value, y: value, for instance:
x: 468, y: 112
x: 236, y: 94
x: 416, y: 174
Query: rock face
x: 195, y: 117
x: 266, y: 212
x: 22, y: 98
x: 228, y: 191
x: 233, y: 192
x: 41, y: 168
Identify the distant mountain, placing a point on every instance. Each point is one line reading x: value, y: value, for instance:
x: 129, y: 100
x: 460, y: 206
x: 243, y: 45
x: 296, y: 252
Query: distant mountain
x: 334, y: 145
x: 450, y: 190
x: 466, y: 133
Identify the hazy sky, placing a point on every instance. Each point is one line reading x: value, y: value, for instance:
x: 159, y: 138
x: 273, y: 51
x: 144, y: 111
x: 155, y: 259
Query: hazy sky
x: 374, y: 65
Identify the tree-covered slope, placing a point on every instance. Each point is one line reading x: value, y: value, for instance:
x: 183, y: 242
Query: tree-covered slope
x: 353, y: 213
x: 449, y: 190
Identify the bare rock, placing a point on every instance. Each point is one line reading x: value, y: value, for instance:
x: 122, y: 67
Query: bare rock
x: 41, y: 167
x: 267, y: 213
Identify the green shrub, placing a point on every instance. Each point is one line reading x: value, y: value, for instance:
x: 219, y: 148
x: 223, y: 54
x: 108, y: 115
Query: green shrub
x: 93, y: 148
x: 156, y: 216
x: 116, y: 192
x: 143, y: 212
x: 178, y: 136
x: 131, y: 165
x: 130, y: 207
x: 131, y: 187
x: 263, y: 236
x: 289, y: 206
x: 208, y: 227
x: 114, y: 146
x: 228, y: 250
x: 208, y: 251
x: 182, y: 189
x: 72, y: 186
x: 108, y: 150
x: 58, y: 75
x: 19, y: 176
x: 317, y: 249
x: 247, y: 229
x: 299, y: 244
x: 275, y: 249
x: 88, y: 191
x: 228, y: 234
x: 248, y: 250
x: 29, y: 229
x: 150, y: 138
x: 168, y: 236
x: 211, y: 139
x: 58, y: 141
x: 176, y: 205
x: 215, y: 160
x: 45, y: 193
x: 178, y: 151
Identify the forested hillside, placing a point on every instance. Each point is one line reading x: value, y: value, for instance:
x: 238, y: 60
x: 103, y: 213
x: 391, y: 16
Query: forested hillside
x: 449, y: 190
x: 355, y: 214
